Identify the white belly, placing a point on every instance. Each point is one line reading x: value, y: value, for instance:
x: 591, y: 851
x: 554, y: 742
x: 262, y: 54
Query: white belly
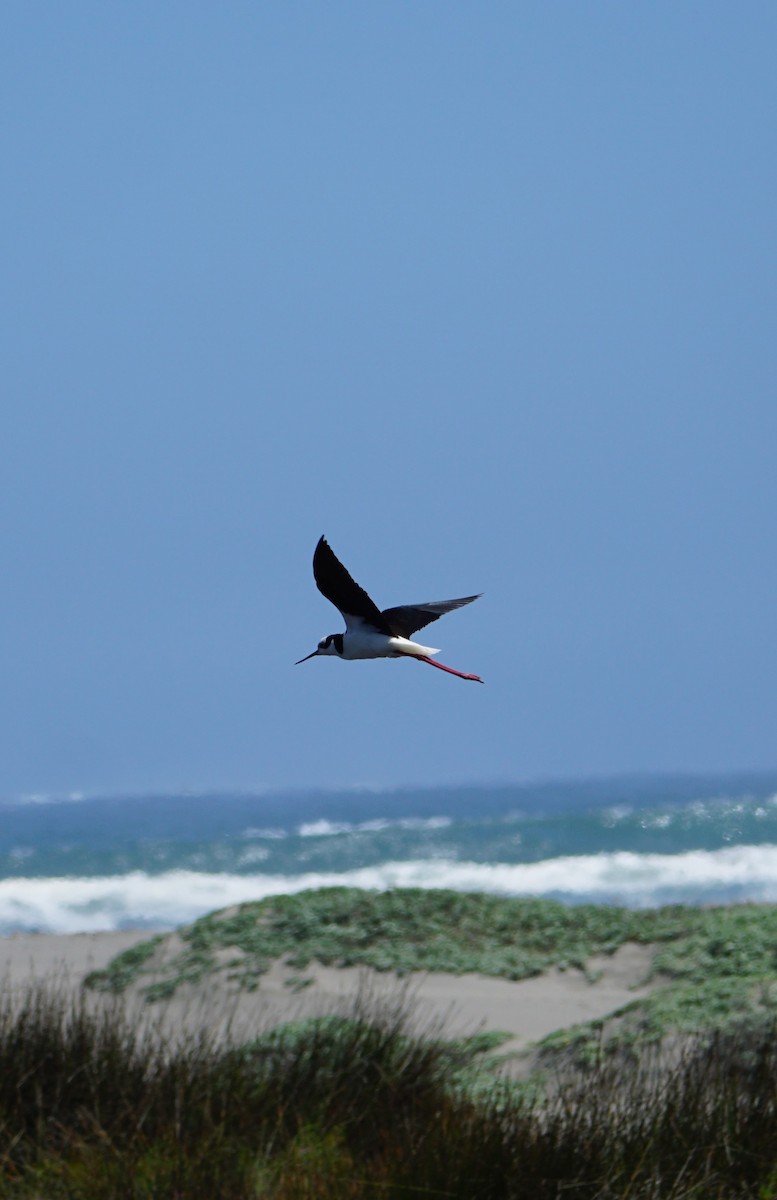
x: 368, y: 644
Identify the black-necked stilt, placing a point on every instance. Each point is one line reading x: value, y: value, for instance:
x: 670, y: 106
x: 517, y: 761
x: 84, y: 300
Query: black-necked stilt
x: 370, y: 633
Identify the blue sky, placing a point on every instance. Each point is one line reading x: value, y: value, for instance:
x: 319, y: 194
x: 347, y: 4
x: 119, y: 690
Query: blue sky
x: 486, y: 293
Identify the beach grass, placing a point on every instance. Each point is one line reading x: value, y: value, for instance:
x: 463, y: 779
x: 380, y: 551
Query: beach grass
x: 356, y: 1106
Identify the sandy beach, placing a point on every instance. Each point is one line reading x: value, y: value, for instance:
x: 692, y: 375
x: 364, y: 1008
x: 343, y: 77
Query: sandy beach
x: 453, y: 1005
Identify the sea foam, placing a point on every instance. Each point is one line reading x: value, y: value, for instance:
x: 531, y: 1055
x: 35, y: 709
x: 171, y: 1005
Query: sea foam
x: 167, y: 899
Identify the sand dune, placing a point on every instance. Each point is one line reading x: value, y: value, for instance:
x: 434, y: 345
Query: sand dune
x: 452, y: 1005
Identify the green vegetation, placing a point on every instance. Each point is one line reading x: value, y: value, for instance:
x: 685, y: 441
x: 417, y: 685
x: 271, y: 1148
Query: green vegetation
x: 408, y: 929
x: 126, y: 966
x: 355, y: 1108
x: 720, y: 972
x: 715, y: 966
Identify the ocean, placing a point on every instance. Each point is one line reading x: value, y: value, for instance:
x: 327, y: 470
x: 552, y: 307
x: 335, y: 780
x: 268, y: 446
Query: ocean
x: 88, y: 863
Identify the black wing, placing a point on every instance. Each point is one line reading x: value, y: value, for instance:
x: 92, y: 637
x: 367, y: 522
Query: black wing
x: 334, y: 582
x: 404, y: 620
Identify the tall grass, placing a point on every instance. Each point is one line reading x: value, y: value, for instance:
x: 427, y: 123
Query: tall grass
x: 92, y: 1106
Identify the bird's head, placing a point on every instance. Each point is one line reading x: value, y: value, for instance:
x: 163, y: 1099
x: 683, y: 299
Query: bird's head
x: 331, y: 644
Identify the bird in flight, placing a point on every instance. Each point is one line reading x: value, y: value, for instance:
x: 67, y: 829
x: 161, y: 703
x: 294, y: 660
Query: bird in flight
x: 370, y: 633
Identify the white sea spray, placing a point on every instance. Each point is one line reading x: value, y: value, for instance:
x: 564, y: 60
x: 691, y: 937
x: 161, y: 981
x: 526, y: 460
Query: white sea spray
x: 164, y: 900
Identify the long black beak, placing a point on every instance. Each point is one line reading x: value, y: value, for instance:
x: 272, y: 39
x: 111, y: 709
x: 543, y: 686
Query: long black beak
x: 305, y: 659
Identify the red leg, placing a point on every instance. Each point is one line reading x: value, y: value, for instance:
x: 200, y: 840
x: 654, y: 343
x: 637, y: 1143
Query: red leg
x: 442, y: 667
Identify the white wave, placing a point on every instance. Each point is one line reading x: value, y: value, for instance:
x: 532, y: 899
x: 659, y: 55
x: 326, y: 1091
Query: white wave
x: 70, y: 905
x: 32, y: 798
x: 325, y: 828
